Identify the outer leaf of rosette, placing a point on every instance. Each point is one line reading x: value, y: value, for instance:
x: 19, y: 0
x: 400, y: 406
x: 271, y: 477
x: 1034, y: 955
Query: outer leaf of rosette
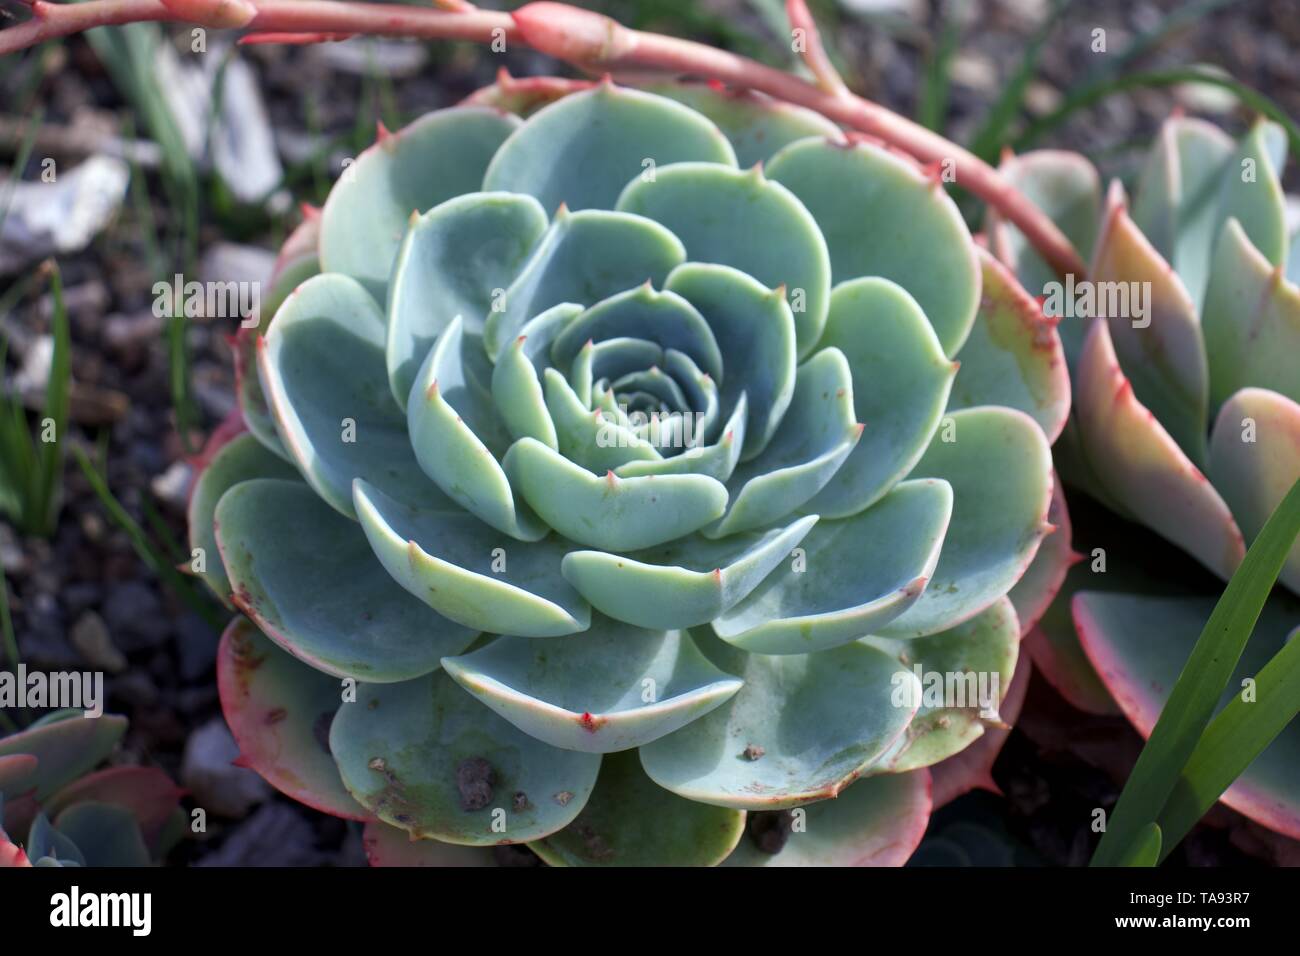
x: 660, y: 316
x: 802, y: 728
x: 611, y: 513
x: 428, y: 758
x: 595, y: 141
x: 1143, y: 468
x: 755, y: 332
x: 1013, y: 356
x: 516, y: 391
x: 973, y: 664
x: 684, y: 583
x: 253, y: 406
x: 280, y: 711
x: 882, y: 216
x: 1139, y: 644
x: 440, y: 155
x: 612, y: 688
x: 1254, y: 461
x: 307, y: 577
x: 1252, y: 191
x: 1176, y: 204
x: 745, y: 220
x: 387, y: 846
x: 322, y: 369
x: 472, y: 573
x: 583, y: 257
x: 878, y: 821
x: 454, y: 433
x: 64, y: 750
x: 757, y: 125
x: 242, y: 458
x: 901, y: 384
x: 816, y: 434
x: 1161, y: 352
x: 631, y: 821
x: 1000, y: 467
x: 1251, y: 320
x: 849, y: 578
x: 452, y: 262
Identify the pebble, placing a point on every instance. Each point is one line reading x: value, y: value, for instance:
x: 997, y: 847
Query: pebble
x: 135, y: 617
x: 218, y: 786
x: 91, y: 639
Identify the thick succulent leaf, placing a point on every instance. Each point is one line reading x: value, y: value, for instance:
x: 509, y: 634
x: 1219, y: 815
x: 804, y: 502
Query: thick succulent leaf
x: 524, y: 95
x: 1142, y: 467
x: 595, y: 141
x: 882, y: 216
x: 1252, y: 321
x: 972, y: 769
x: 1066, y: 187
x: 253, y: 406
x: 48, y: 847
x: 588, y: 438
x: 1033, y: 593
x: 964, y: 673
x: 1161, y: 352
x: 1000, y: 468
x: 802, y: 728
x: 1176, y: 205
x: 662, y: 317
x: 611, y: 513
x: 683, y: 583
x: 878, y: 821
x: 516, y: 390
x: 389, y: 846
x: 834, y: 593
x: 427, y: 757
x: 242, y: 458
x: 755, y: 330
x: 815, y: 436
x: 718, y: 460
x: 147, y: 792
x: 454, y: 261
x: 308, y: 579
x: 901, y: 383
x: 756, y: 125
x: 322, y: 368
x: 612, y: 688
x: 1254, y: 461
x: 470, y: 573
x: 1139, y: 645
x: 280, y: 712
x: 17, y: 774
x: 1252, y: 191
x: 709, y: 206
x: 1013, y: 356
x: 106, y: 835
x: 583, y: 257
x: 441, y: 155
x: 457, y: 435
x: 64, y: 750
x: 630, y: 821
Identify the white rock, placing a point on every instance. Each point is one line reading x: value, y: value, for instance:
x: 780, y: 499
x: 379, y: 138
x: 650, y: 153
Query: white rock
x: 61, y: 217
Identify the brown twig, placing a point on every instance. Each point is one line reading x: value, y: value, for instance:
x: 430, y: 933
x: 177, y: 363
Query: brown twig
x: 589, y: 41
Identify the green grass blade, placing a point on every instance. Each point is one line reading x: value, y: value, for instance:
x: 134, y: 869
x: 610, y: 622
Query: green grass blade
x: 1090, y: 95
x: 20, y: 163
x: 1234, y: 738
x: 7, y: 624
x: 147, y: 551
x: 1195, y: 695
x: 936, y: 78
x: 1145, y: 850
x: 989, y: 138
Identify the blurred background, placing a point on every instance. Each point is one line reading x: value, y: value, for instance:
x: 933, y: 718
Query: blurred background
x: 132, y: 155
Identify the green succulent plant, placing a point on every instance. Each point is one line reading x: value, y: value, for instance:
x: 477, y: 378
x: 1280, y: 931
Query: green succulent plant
x: 57, y: 810
x: 1185, y: 420
x: 608, y: 476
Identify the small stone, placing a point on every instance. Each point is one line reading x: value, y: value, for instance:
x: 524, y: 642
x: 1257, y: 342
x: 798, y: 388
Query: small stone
x: 474, y: 779
x: 173, y: 485
x: 770, y: 829
x: 753, y: 752
x: 91, y: 639
x: 208, y: 771
x: 135, y: 618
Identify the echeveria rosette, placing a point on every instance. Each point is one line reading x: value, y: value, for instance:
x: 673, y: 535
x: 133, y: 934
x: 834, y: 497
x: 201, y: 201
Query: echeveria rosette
x: 1189, y: 427
x: 562, y: 621
x: 56, y: 809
